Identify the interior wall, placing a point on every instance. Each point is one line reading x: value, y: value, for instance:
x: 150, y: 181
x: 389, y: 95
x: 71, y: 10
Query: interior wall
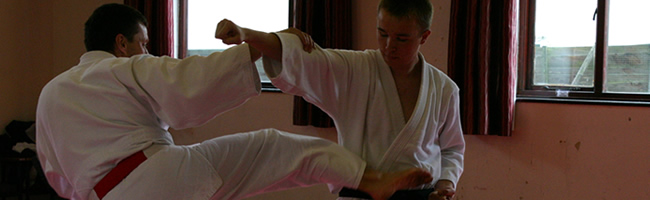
x: 557, y: 151
x: 24, y: 35
x: 40, y: 39
x: 562, y: 151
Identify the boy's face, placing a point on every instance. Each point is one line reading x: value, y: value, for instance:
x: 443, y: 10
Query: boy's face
x: 399, y: 39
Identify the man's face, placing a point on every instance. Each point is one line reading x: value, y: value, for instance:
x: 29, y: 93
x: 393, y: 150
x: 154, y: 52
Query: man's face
x: 139, y: 43
x: 399, y: 39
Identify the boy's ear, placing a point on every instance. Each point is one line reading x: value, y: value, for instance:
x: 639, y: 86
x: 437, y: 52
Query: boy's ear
x: 425, y: 35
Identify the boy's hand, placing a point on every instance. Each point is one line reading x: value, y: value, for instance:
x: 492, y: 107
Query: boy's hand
x: 307, y: 42
x: 444, y: 190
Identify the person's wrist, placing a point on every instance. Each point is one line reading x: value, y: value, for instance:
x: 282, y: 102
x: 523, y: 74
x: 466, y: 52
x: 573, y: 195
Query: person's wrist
x: 250, y: 35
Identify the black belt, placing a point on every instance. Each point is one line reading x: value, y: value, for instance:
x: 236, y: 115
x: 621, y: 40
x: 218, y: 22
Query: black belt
x: 422, y: 194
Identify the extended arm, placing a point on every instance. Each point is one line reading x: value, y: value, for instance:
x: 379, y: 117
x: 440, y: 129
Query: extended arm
x: 264, y: 43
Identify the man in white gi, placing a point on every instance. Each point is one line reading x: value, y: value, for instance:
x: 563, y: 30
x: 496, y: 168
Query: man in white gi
x: 102, y: 127
x: 390, y: 106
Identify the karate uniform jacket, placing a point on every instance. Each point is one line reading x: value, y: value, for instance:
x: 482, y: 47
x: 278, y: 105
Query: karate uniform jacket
x: 357, y: 90
x: 105, y: 109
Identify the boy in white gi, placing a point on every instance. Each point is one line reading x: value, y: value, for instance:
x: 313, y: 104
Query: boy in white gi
x: 102, y: 127
x: 390, y: 106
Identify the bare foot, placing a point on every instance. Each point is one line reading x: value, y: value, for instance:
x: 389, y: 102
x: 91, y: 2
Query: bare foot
x: 382, y: 185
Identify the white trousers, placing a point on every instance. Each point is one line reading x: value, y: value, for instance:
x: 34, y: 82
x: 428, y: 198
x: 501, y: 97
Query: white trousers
x: 239, y: 166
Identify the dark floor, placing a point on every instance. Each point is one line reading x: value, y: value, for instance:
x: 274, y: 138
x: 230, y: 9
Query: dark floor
x: 36, y: 197
x: 10, y: 189
x: 12, y: 195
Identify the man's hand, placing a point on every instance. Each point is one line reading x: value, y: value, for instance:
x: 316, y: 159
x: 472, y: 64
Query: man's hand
x: 229, y: 32
x: 259, y: 42
x: 444, y: 190
x: 307, y: 42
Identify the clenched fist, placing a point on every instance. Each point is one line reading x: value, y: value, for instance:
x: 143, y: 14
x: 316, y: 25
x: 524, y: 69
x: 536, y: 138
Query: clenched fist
x: 229, y: 32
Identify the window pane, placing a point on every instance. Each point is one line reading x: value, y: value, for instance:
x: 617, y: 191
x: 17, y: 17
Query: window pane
x: 628, y: 69
x: 565, y: 38
x: 203, y: 16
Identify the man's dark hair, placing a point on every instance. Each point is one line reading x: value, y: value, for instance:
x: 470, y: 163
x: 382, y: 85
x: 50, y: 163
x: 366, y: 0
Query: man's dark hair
x: 421, y: 10
x: 108, y: 21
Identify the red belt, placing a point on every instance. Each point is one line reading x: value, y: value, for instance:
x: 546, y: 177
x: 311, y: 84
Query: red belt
x: 121, y: 170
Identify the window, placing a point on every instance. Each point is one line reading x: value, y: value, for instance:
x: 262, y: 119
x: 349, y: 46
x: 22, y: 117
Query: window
x: 198, y: 21
x: 585, y: 50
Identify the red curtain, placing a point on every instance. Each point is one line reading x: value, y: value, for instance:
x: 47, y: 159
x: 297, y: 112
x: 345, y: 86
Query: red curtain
x: 329, y: 22
x: 483, y: 62
x: 159, y: 14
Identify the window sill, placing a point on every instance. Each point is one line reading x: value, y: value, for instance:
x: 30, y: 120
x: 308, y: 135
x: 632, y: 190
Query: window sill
x: 268, y: 87
x: 581, y: 101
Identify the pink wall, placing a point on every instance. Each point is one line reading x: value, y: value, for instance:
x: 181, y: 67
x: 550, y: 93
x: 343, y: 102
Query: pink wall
x: 25, y: 51
x: 558, y: 151
x: 563, y: 151
x: 40, y: 39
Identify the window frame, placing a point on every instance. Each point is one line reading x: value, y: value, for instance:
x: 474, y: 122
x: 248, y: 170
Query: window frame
x: 526, y: 90
x: 182, y: 36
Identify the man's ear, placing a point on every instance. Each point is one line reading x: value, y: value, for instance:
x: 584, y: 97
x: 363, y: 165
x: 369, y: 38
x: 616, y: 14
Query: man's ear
x: 425, y: 35
x: 120, y: 45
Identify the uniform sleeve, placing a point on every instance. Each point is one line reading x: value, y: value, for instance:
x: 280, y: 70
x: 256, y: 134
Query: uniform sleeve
x: 321, y: 77
x: 452, y: 143
x: 189, y: 92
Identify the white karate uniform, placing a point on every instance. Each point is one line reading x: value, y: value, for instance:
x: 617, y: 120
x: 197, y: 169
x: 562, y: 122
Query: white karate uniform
x: 357, y: 90
x: 105, y: 109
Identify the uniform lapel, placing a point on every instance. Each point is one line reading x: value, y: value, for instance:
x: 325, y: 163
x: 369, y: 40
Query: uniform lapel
x: 409, y: 129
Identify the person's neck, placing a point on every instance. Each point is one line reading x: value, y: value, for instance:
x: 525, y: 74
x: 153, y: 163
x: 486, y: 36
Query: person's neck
x: 406, y: 70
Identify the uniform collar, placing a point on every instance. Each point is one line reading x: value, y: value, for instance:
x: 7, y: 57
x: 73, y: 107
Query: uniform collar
x: 91, y: 56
